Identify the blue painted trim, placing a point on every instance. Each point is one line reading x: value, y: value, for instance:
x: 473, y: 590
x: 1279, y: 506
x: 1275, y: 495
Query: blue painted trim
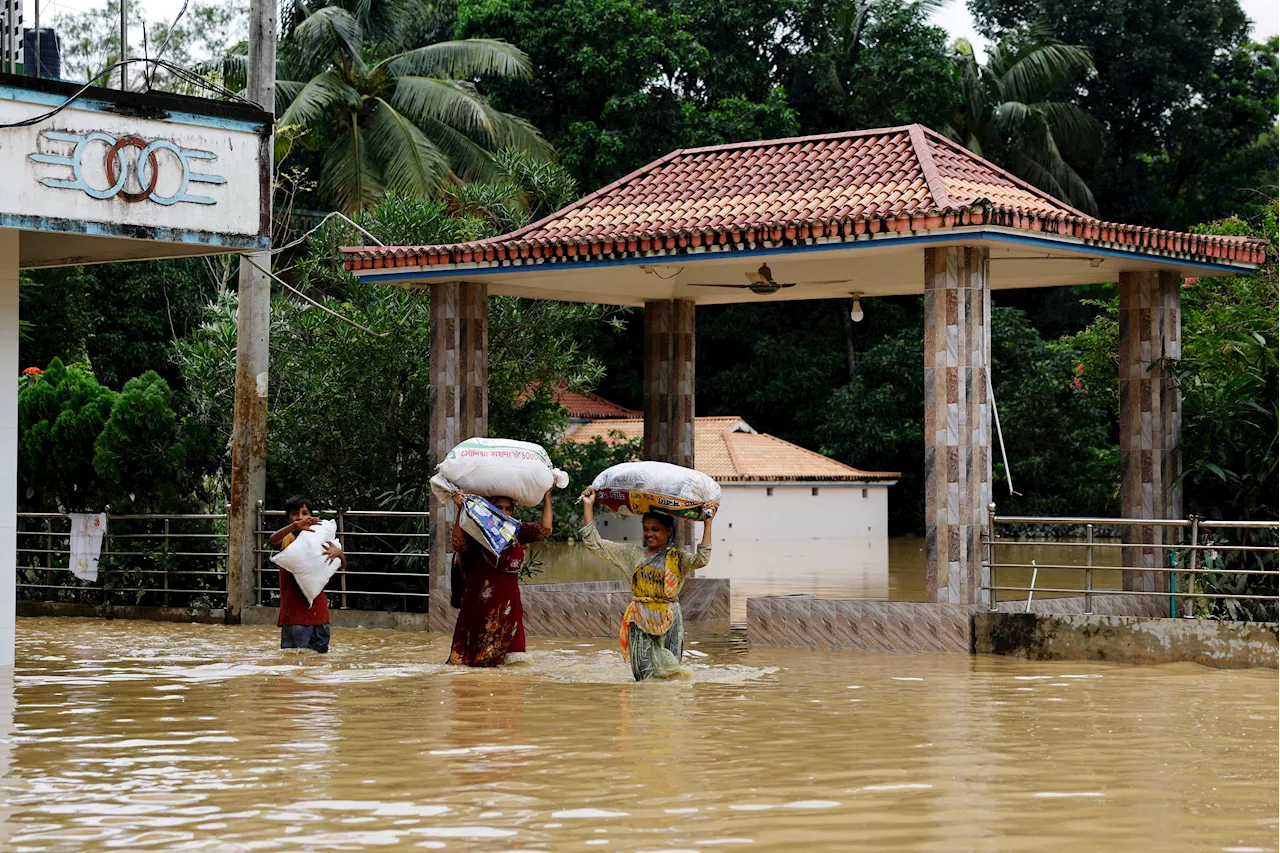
x: 676, y: 259
x: 133, y: 232
x: 86, y: 102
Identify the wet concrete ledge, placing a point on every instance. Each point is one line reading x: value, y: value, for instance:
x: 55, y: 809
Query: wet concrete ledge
x: 119, y: 611
x: 808, y: 622
x: 1127, y: 639
x: 595, y: 608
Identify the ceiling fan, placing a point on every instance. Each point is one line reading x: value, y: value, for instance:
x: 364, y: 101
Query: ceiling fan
x: 761, y: 282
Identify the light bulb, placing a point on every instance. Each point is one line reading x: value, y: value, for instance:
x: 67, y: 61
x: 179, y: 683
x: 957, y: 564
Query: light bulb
x: 856, y: 314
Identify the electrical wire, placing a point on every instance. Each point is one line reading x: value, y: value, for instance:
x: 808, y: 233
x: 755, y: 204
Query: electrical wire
x: 177, y: 70
x: 320, y: 225
x: 330, y: 311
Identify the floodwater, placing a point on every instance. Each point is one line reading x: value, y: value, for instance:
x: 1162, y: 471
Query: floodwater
x: 136, y: 736
x: 887, y: 569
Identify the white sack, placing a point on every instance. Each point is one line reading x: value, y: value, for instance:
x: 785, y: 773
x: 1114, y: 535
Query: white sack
x: 519, y: 470
x: 87, y: 530
x: 634, y: 488
x: 306, y: 560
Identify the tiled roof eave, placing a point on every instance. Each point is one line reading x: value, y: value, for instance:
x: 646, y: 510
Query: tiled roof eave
x: 860, y: 477
x: 501, y: 252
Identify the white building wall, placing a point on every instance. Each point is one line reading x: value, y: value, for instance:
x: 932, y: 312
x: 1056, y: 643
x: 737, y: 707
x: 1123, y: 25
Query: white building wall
x: 783, y: 512
x: 8, y: 442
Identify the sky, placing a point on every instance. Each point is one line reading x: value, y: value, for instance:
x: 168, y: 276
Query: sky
x: 954, y: 17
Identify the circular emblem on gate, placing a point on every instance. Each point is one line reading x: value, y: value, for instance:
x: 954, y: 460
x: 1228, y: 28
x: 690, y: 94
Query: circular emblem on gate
x: 146, y: 155
x: 145, y: 170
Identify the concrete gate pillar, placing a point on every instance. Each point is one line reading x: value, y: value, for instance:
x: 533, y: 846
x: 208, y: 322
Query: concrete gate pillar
x: 8, y: 444
x: 459, y: 407
x: 957, y: 421
x: 669, y: 328
x: 1150, y: 419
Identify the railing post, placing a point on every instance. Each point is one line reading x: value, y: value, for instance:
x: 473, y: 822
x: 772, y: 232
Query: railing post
x: 1088, y: 572
x: 166, y: 561
x: 259, y: 521
x: 1193, y: 562
x: 48, y: 552
x: 343, y: 571
x: 992, y: 600
x: 106, y: 549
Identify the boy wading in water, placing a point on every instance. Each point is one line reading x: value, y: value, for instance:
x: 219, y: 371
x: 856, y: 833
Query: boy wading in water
x: 302, y: 626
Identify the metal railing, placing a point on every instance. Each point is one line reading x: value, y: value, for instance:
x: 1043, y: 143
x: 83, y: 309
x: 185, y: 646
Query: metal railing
x: 162, y: 560
x: 1195, y: 556
x: 387, y: 557
x: 179, y: 560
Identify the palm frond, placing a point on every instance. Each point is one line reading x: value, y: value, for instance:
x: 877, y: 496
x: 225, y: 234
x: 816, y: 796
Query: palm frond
x: 1037, y: 72
x: 447, y: 101
x: 330, y: 34
x: 348, y: 173
x: 468, y: 59
x: 317, y: 98
x: 411, y: 163
x: 470, y: 161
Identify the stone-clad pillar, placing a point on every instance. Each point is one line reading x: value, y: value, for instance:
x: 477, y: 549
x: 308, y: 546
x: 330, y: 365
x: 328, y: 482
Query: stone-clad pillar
x: 957, y: 421
x: 459, y: 406
x: 669, y: 327
x: 1150, y: 418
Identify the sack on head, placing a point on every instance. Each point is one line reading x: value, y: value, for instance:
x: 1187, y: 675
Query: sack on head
x: 306, y: 561
x: 519, y: 470
x: 634, y: 488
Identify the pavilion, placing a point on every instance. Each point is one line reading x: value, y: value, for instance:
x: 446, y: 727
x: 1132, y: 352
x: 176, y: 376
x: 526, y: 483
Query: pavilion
x: 873, y: 213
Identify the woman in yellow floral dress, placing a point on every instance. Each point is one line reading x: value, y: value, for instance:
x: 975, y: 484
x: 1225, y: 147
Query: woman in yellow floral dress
x: 652, y: 631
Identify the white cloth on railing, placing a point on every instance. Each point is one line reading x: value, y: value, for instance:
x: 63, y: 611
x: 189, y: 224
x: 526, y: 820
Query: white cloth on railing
x: 87, y: 530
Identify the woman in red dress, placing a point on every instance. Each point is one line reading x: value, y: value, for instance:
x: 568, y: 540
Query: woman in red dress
x: 491, y: 619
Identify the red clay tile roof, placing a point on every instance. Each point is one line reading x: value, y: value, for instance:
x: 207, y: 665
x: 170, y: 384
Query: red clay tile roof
x: 727, y: 450
x: 588, y: 406
x: 846, y: 186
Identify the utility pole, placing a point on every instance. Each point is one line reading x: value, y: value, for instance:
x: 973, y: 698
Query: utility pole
x: 253, y: 328
x: 124, y: 46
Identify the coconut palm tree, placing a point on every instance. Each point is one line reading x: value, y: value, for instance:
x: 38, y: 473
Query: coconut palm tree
x: 1010, y: 116
x: 382, y: 119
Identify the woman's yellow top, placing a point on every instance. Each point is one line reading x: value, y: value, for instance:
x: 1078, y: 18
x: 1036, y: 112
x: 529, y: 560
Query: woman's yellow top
x: 656, y: 580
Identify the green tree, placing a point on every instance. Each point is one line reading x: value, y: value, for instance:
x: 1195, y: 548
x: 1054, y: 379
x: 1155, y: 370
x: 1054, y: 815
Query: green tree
x: 141, y: 453
x: 617, y: 83
x: 121, y: 318
x: 1009, y: 113
x: 1188, y: 103
x: 60, y: 415
x: 379, y: 119
x: 873, y: 63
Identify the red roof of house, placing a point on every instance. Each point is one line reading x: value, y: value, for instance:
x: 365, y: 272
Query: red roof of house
x: 728, y: 450
x: 588, y: 406
x: 850, y: 185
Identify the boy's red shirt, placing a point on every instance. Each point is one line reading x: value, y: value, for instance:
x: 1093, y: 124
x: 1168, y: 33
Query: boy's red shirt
x: 293, y: 604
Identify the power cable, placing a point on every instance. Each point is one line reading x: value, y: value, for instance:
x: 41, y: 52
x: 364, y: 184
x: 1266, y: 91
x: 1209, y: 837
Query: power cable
x: 177, y: 70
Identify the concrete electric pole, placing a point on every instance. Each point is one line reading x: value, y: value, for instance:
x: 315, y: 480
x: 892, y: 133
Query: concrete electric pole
x: 253, y: 328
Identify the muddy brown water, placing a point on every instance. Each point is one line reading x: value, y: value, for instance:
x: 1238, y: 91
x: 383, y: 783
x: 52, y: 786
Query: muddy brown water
x: 139, y: 736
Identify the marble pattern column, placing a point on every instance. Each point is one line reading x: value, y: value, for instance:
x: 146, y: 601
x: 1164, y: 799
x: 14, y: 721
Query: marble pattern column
x: 459, y: 406
x: 1150, y: 419
x: 669, y: 329
x: 957, y: 421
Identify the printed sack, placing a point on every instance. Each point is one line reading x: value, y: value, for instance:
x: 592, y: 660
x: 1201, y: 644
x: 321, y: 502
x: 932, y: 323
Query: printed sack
x: 488, y: 525
x: 519, y: 470
x: 634, y: 488
x: 306, y: 561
